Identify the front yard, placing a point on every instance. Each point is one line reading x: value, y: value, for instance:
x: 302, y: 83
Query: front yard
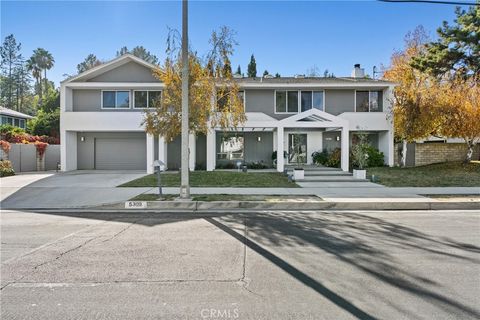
x: 449, y: 174
x: 217, y: 179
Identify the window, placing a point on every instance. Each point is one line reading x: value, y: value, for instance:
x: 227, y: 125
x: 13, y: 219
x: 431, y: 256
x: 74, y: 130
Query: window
x: 115, y: 99
x: 281, y: 101
x: 317, y: 100
x: 369, y: 101
x: 231, y: 147
x: 146, y: 99
x: 22, y: 123
x: 376, y: 101
x: 311, y: 99
x: 292, y: 102
x: 16, y: 122
x: 306, y: 97
x: 361, y: 101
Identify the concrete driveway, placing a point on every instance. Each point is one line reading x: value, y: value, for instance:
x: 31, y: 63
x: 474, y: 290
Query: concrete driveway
x: 67, y: 190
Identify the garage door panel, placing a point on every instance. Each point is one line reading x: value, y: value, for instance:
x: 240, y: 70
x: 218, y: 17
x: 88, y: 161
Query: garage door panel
x: 120, y: 154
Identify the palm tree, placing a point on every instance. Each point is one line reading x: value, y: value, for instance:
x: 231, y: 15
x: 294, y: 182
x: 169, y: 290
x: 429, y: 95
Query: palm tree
x: 34, y: 68
x: 45, y: 61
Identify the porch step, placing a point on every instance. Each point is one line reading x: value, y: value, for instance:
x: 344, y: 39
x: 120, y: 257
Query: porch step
x: 312, y: 168
x: 325, y: 173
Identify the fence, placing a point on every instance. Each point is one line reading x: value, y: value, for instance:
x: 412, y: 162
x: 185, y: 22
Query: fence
x: 24, y: 157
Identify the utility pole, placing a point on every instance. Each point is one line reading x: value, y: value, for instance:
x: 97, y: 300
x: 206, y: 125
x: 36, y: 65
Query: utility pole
x: 185, y: 187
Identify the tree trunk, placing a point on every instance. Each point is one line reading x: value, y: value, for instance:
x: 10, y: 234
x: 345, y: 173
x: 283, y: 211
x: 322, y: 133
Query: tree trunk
x: 470, y: 146
x: 403, y: 161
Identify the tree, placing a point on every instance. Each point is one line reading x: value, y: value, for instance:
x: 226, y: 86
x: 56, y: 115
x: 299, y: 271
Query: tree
x: 45, y: 123
x: 313, y: 71
x: 459, y: 110
x: 457, y: 50
x: 11, y: 59
x: 227, y: 68
x: 414, y: 112
x: 265, y: 73
x: 214, y: 101
x: 252, y: 68
x: 22, y: 85
x: 140, y: 52
x: 239, y: 70
x: 34, y: 68
x: 277, y: 75
x: 43, y: 61
x: 90, y: 61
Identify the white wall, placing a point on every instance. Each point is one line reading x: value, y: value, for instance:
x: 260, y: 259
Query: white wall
x: 68, y: 150
x: 385, y: 145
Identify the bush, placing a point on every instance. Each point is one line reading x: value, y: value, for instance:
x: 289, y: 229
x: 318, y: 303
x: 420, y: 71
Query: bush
x: 7, y: 131
x: 6, y: 168
x: 375, y: 157
x: 320, y: 157
x: 334, y: 158
x: 45, y: 124
x: 257, y: 165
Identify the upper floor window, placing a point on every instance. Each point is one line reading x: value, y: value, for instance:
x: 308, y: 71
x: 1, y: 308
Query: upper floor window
x: 311, y: 99
x: 222, y: 99
x: 369, y: 101
x: 146, y: 99
x: 297, y: 101
x: 286, y: 101
x: 115, y: 99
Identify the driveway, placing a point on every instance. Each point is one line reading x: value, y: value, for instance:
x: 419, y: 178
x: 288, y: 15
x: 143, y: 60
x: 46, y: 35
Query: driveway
x: 67, y: 190
x: 265, y: 265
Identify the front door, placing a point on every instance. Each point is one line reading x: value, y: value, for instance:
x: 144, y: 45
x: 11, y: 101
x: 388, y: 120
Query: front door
x: 297, y: 148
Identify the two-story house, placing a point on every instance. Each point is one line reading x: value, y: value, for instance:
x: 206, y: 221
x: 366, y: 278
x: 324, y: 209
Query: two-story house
x: 102, y: 115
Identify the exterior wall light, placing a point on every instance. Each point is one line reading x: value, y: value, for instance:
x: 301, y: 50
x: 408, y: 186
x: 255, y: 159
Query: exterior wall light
x: 338, y: 138
x: 82, y: 138
x: 259, y: 138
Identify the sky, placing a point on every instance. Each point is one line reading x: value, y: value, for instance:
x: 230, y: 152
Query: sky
x: 288, y: 37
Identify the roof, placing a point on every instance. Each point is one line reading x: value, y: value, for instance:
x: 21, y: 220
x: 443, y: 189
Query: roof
x: 110, y: 65
x: 13, y: 113
x: 311, y: 80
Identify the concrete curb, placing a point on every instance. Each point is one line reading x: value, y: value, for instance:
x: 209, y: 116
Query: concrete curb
x: 321, y: 205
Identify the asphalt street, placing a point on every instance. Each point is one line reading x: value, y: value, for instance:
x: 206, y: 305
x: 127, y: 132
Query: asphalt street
x: 264, y: 265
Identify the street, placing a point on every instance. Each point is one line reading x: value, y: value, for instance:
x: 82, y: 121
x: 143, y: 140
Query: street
x: 265, y: 265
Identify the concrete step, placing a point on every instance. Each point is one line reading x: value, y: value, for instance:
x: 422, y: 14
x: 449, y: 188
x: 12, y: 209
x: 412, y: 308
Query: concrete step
x: 335, y: 185
x: 327, y: 173
x: 315, y: 169
x: 331, y: 179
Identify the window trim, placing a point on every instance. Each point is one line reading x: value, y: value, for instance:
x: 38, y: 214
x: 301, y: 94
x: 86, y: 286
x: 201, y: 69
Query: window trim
x: 117, y: 108
x: 313, y: 107
x: 355, y: 101
x: 148, y: 98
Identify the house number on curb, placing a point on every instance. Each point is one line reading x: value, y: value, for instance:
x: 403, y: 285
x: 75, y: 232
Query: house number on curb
x: 135, y: 204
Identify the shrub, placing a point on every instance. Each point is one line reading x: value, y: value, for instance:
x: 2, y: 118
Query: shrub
x: 41, y: 147
x: 5, y: 146
x: 359, y: 151
x: 375, y: 157
x: 320, y: 157
x: 7, y: 131
x: 257, y: 165
x: 6, y: 168
x: 334, y: 158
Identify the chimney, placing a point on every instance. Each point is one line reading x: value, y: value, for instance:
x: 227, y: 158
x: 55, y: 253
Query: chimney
x: 358, y: 72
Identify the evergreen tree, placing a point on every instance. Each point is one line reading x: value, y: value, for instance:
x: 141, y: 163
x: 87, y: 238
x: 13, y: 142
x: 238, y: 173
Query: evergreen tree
x: 22, y: 85
x: 265, y: 73
x: 90, y: 61
x: 227, y: 68
x: 239, y: 70
x: 252, y: 67
x: 277, y: 75
x: 457, y: 50
x: 140, y: 52
x: 11, y: 59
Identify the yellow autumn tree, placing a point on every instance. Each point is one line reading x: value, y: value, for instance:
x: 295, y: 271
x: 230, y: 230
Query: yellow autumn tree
x: 414, y: 106
x: 459, y: 106
x: 214, y: 99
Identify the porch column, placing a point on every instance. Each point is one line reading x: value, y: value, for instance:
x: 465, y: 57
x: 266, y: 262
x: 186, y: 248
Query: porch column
x: 345, y: 148
x: 211, y: 150
x: 192, y: 141
x: 150, y: 153
x: 162, y: 151
x: 280, y: 158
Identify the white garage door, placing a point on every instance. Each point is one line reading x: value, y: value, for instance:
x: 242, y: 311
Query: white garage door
x: 120, y: 154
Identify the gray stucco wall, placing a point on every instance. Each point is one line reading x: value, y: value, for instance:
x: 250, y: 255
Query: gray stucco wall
x: 86, y: 149
x: 339, y: 101
x: 90, y: 100
x: 262, y: 101
x: 129, y: 72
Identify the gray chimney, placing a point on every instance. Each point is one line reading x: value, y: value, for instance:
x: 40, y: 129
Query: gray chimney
x: 358, y: 72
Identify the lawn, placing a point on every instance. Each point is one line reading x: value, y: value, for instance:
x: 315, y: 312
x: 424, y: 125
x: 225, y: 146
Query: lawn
x: 217, y: 179
x: 448, y: 174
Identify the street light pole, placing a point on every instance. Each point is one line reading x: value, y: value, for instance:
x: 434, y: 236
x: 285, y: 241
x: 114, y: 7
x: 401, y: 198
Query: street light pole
x: 184, y: 187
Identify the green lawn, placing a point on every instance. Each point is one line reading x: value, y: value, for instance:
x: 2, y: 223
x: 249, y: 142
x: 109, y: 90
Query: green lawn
x: 449, y: 174
x: 217, y: 179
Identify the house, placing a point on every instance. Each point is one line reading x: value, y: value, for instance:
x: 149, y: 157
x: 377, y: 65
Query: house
x: 14, y: 118
x: 101, y: 120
